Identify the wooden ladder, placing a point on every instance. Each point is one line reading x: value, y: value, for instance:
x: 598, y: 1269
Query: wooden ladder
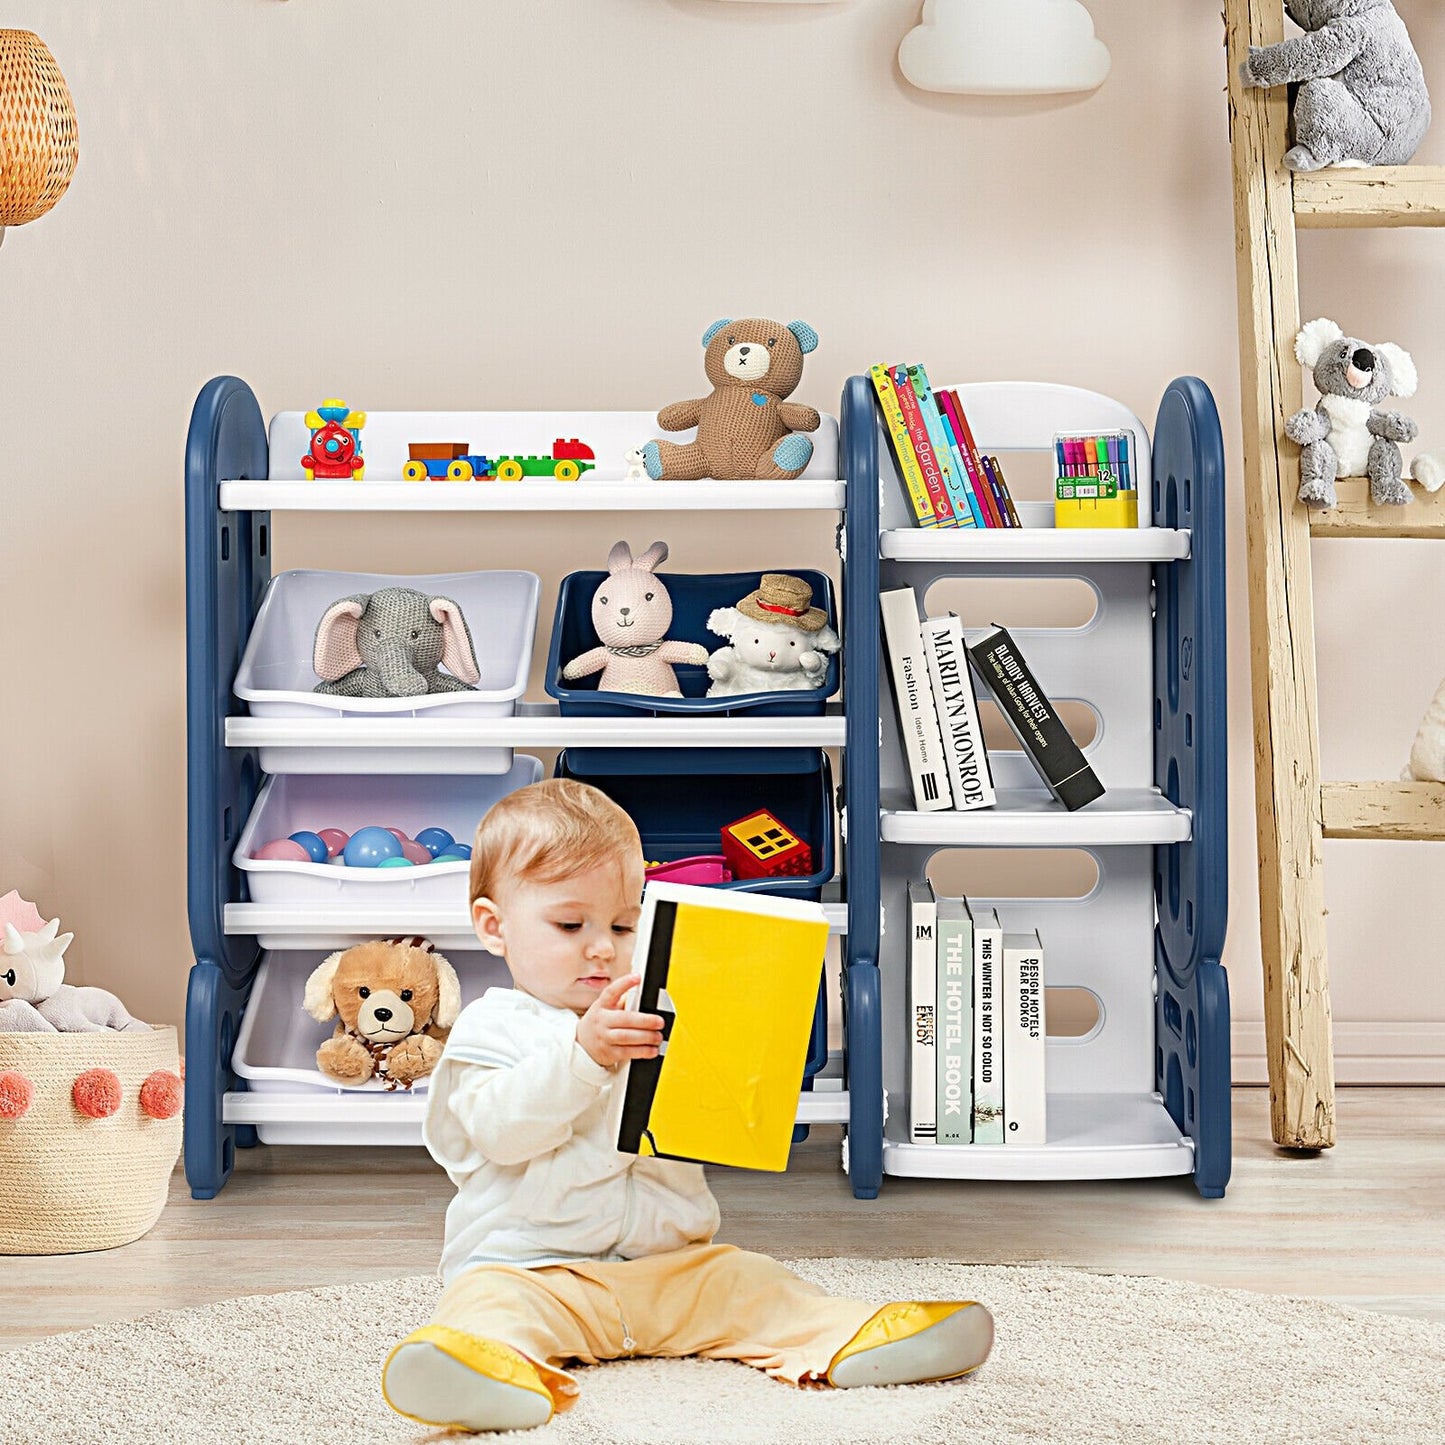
x: 1295, y: 810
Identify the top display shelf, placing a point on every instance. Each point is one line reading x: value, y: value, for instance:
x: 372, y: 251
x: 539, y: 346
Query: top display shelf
x: 600, y: 440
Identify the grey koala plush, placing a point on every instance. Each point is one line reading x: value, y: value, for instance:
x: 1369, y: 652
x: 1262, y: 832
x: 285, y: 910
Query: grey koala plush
x: 390, y: 643
x: 1359, y: 93
x: 1344, y: 436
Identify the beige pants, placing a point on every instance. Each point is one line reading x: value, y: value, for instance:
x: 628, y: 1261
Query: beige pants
x: 712, y: 1300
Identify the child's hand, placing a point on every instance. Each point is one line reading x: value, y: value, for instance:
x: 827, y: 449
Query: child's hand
x: 611, y: 1034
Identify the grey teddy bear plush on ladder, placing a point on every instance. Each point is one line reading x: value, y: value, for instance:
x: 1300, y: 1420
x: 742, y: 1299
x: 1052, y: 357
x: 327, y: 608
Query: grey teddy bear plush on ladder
x: 1359, y: 92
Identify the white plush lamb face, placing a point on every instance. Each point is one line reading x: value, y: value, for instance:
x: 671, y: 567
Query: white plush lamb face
x: 778, y: 646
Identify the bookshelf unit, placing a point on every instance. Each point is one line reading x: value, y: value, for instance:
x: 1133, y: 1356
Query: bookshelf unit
x: 239, y: 475
x: 1146, y: 1091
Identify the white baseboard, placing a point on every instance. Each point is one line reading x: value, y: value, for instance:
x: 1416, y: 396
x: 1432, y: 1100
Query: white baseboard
x: 1365, y: 1053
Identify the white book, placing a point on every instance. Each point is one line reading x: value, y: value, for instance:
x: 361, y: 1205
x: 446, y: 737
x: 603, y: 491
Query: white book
x: 954, y: 933
x: 1021, y: 1025
x: 963, y: 751
x: 922, y: 1003
x: 917, y: 715
x: 988, y: 1057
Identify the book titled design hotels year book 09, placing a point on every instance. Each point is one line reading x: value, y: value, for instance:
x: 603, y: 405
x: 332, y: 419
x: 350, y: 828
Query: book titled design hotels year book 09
x: 735, y: 978
x: 1022, y: 1025
x: 1033, y: 718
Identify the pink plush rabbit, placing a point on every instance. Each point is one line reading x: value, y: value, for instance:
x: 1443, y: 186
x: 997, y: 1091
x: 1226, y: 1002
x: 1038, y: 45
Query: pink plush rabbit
x: 631, y: 613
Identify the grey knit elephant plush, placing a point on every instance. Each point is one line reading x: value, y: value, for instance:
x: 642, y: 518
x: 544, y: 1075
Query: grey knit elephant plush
x: 1360, y: 98
x: 390, y: 643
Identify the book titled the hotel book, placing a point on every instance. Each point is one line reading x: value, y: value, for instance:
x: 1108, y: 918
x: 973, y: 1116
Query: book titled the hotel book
x: 1036, y: 724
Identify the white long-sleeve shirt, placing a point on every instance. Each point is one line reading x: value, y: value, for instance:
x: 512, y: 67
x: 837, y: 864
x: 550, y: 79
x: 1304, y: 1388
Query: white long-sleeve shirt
x: 517, y: 1116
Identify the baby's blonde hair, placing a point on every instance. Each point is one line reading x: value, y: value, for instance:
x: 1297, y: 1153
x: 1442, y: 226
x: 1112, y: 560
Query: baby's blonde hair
x: 548, y: 831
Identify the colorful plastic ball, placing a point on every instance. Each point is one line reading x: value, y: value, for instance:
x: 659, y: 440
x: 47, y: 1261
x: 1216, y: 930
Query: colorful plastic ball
x: 161, y: 1095
x: 370, y: 848
x: 462, y: 850
x: 397, y: 862
x: 16, y: 1092
x: 334, y: 839
x: 314, y: 844
x: 415, y: 852
x: 399, y: 835
x: 435, y: 840
x: 281, y: 850
x: 97, y: 1093
x: 454, y: 854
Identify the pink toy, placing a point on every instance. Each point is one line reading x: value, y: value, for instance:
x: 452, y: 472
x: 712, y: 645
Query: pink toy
x: 631, y: 613
x: 334, y: 839
x: 25, y: 916
x: 414, y: 852
x: 702, y: 870
x: 281, y: 850
x: 397, y: 834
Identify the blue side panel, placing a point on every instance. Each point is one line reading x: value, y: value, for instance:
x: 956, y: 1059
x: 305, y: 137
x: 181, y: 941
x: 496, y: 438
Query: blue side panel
x: 227, y: 567
x: 862, y: 1017
x: 1191, y: 880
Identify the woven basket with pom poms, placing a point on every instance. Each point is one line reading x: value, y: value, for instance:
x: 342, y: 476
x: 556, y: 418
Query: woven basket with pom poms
x: 90, y: 1129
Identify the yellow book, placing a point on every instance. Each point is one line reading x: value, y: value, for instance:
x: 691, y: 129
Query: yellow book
x: 897, y: 429
x: 735, y: 976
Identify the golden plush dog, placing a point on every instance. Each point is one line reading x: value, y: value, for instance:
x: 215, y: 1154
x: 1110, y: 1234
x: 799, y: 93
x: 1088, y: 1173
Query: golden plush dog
x: 394, y: 1002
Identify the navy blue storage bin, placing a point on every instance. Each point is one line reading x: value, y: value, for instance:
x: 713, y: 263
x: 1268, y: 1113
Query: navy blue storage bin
x: 679, y: 815
x: 693, y: 599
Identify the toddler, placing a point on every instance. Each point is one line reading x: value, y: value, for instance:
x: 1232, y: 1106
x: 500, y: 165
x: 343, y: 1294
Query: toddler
x: 558, y: 1248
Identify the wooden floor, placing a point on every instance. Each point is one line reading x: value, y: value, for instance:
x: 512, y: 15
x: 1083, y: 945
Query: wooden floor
x: 1363, y: 1224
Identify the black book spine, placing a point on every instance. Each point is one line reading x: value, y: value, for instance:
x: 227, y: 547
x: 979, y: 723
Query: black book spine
x: 643, y: 1074
x: 1034, y: 721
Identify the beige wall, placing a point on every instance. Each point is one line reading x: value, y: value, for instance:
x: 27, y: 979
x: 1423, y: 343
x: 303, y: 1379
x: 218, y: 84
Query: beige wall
x: 489, y: 205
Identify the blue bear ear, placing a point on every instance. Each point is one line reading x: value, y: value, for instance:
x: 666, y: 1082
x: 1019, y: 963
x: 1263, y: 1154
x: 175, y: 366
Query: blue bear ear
x: 807, y: 337
x: 715, y: 328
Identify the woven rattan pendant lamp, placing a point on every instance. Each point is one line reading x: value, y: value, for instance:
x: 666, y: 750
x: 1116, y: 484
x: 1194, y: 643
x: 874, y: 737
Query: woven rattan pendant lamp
x: 38, y: 134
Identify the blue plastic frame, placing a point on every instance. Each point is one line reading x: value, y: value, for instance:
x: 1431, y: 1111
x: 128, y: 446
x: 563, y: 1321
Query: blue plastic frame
x: 1190, y: 766
x: 228, y: 563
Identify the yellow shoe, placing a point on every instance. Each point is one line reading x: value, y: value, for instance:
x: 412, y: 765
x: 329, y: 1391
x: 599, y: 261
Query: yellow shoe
x: 911, y: 1342
x: 440, y: 1376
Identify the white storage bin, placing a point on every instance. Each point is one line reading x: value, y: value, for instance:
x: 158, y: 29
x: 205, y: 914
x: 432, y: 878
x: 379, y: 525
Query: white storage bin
x: 276, y: 679
x: 275, y: 1050
x: 288, y: 804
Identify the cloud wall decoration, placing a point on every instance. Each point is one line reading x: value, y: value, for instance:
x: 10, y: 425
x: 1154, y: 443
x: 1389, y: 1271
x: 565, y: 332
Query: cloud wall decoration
x: 1004, y: 47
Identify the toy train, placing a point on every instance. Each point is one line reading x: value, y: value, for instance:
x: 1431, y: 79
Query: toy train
x: 456, y: 462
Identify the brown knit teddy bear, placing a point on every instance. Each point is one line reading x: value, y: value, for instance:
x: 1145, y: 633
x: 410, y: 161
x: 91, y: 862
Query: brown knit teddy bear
x: 747, y: 427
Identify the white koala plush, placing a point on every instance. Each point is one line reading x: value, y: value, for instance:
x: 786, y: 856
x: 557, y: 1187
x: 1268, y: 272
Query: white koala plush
x: 766, y: 656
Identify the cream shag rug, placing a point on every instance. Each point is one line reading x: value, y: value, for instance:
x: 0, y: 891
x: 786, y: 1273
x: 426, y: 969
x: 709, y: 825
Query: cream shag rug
x: 1080, y: 1358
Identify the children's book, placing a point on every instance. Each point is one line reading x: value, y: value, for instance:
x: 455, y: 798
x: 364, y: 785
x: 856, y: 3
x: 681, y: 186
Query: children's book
x: 988, y: 1059
x: 1022, y: 1027
x: 949, y: 400
x: 895, y: 428
x: 930, y: 462
x: 954, y: 931
x: 922, y: 1001
x: 953, y: 695
x: 917, y: 714
x: 1034, y: 719
x: 955, y: 475
x: 976, y: 484
x: 735, y: 978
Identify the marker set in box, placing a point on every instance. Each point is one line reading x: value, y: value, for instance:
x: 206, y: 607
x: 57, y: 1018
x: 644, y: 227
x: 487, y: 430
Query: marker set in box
x: 1095, y: 485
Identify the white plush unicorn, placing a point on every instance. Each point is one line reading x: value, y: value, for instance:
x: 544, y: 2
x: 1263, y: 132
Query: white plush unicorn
x: 34, y: 997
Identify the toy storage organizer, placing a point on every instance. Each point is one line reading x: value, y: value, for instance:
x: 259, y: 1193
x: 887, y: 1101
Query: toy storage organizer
x: 267, y: 756
x: 1146, y: 1091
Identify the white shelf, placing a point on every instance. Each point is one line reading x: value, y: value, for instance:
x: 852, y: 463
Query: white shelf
x: 346, y: 1117
x: 536, y: 725
x: 532, y: 495
x: 1030, y: 818
x: 1035, y: 542
x: 1090, y: 1136
x: 328, y: 926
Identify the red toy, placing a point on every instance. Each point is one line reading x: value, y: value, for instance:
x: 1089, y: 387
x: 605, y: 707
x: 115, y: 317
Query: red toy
x: 335, y: 449
x: 759, y: 846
